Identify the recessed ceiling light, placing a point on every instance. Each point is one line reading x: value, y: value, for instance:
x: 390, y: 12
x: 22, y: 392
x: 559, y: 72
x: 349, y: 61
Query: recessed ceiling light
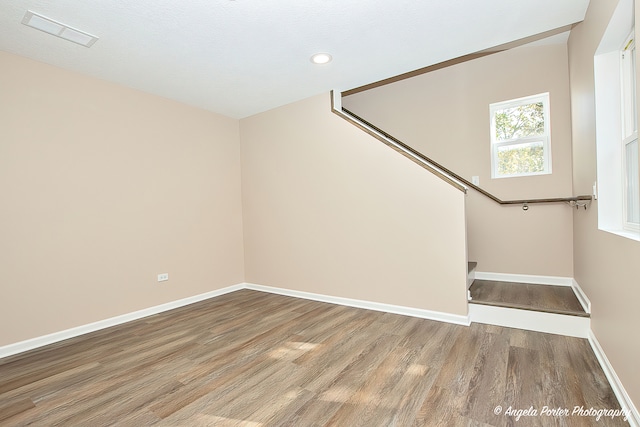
x: 321, y: 58
x: 58, y: 29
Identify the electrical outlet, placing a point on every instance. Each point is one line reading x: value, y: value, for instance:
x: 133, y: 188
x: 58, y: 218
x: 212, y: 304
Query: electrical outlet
x: 163, y: 277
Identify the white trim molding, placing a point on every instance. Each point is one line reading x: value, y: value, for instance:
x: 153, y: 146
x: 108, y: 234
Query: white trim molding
x: 582, y: 297
x: 471, y: 276
x: 618, y: 389
x: 30, y: 344
x: 369, y: 305
x: 525, y: 278
x: 551, y: 323
x: 523, y: 319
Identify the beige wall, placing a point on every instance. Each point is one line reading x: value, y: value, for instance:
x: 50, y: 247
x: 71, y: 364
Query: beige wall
x: 445, y: 115
x: 103, y: 188
x: 606, y: 265
x: 330, y: 210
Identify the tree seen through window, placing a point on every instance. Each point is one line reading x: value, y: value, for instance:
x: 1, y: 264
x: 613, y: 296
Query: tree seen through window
x: 520, y: 137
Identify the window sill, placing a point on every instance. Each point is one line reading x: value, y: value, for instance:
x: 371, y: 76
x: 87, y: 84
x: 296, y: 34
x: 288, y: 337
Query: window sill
x: 546, y: 172
x: 628, y: 234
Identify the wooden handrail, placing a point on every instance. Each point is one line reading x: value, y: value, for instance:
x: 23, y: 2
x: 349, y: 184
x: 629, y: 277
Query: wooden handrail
x: 397, y: 145
x: 444, y: 173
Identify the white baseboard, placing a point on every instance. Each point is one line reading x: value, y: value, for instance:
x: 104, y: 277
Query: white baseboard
x: 525, y: 278
x: 522, y: 319
x: 369, y: 305
x: 582, y: 297
x: 542, y: 322
x: 550, y: 323
x: 30, y: 344
x: 623, y: 397
x: 471, y: 276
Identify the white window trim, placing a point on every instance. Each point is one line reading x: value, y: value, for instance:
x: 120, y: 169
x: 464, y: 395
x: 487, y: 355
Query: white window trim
x: 546, y: 138
x: 629, y: 119
x: 626, y: 224
x: 610, y: 124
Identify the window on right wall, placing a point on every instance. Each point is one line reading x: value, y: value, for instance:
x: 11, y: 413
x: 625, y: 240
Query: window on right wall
x: 520, y: 137
x: 617, y: 126
x: 631, y: 191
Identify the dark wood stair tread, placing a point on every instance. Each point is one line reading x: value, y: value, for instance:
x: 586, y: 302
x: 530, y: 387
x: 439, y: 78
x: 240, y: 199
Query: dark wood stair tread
x: 525, y: 296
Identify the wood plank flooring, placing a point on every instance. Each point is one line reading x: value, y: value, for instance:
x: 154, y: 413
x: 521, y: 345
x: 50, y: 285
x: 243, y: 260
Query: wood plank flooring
x: 255, y: 359
x: 546, y: 298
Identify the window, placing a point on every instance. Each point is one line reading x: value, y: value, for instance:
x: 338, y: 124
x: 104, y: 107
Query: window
x: 617, y: 126
x: 631, y: 191
x: 520, y: 142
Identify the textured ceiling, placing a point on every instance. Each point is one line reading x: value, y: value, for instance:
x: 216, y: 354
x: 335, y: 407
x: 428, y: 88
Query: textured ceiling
x: 241, y: 57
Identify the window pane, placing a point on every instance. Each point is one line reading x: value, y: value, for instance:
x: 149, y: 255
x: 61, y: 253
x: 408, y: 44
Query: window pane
x: 633, y: 191
x: 521, y: 121
x: 521, y: 158
x: 629, y: 114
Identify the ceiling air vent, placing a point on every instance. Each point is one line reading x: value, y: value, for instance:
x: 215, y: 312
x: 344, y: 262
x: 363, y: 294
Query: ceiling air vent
x: 58, y: 29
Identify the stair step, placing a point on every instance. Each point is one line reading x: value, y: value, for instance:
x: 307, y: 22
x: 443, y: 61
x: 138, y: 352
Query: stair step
x: 527, y: 296
x: 471, y: 265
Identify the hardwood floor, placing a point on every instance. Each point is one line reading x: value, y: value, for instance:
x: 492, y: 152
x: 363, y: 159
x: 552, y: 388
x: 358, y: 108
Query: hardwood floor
x: 547, y: 298
x: 255, y: 359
